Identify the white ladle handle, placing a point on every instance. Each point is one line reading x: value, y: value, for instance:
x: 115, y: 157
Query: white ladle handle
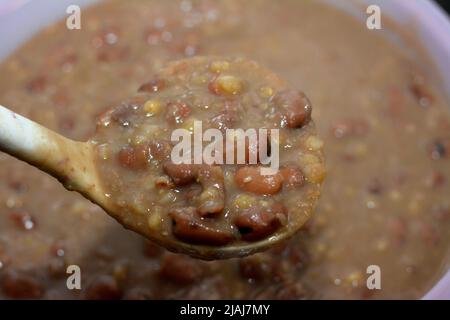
x: 69, y: 161
x: 31, y: 142
x: 25, y: 139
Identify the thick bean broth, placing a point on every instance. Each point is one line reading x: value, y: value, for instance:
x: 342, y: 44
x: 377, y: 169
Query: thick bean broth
x: 217, y: 196
x: 386, y: 131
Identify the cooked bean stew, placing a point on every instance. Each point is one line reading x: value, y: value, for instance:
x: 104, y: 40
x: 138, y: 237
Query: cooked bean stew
x: 223, y: 202
x: 384, y: 120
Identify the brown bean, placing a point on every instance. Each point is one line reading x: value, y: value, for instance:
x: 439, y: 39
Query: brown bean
x: 422, y: 94
x: 17, y: 185
x: 192, y: 192
x: 58, y: 249
x: 66, y: 123
x: 180, y: 269
x: 136, y: 102
x: 181, y: 174
x: 154, y: 85
x: 18, y: 285
x: 23, y: 220
x: 396, y: 103
x: 189, y: 227
x: 177, y: 112
x: 435, y: 179
x: 37, y: 84
x: 61, y: 99
x: 251, y: 150
x: 397, y: 228
x: 375, y: 186
x: 134, y: 158
x: 164, y: 182
x: 153, y: 36
x: 159, y: 149
x: 113, y: 54
x: 227, y: 117
x: 429, y: 234
x: 294, y: 107
x: 213, y: 87
x: 292, y: 176
x: 120, y: 115
x: 440, y: 149
x: 223, y: 121
x: 250, y: 179
x: 104, y: 287
x: 106, y: 37
x: 257, y: 223
x: 212, y: 199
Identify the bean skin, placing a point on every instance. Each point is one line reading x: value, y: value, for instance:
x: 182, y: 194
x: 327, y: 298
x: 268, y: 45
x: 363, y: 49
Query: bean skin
x: 292, y: 176
x: 181, y: 174
x: 134, y: 158
x: 177, y: 112
x: 294, y: 107
x: 23, y: 220
x: 250, y: 179
x: 38, y: 84
x: 257, y: 223
x: 227, y: 117
x: 440, y: 149
x: 223, y: 121
x: 211, y: 201
x: 138, y: 157
x: 113, y: 54
x: 154, y: 85
x: 189, y: 227
x: 159, y: 149
x: 121, y: 115
x: 422, y: 94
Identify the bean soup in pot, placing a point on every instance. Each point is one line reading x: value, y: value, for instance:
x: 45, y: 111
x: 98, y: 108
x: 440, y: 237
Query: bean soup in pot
x: 385, y: 123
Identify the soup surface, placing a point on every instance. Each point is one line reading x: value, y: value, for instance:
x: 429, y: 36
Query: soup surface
x: 385, y: 125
